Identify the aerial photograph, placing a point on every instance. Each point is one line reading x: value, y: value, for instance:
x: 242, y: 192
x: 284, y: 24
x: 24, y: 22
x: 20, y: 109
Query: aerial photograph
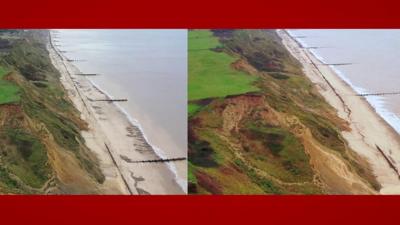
x: 297, y: 111
x: 93, y: 111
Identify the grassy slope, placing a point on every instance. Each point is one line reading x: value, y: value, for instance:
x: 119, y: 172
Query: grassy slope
x: 213, y: 167
x: 28, y: 158
x: 43, y: 110
x: 211, y: 76
x: 8, y: 92
x: 264, y: 144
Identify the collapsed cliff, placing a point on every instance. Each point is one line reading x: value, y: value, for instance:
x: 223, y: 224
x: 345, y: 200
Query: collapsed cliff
x: 41, y: 148
x: 282, y: 138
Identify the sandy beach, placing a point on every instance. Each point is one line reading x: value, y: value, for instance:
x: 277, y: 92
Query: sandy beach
x: 370, y: 136
x: 114, y: 139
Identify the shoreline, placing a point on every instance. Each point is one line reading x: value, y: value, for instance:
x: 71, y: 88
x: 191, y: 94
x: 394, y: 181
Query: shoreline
x: 370, y: 136
x: 376, y: 102
x: 109, y: 123
x: 159, y: 152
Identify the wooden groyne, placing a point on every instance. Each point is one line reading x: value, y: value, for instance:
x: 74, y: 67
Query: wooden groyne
x: 313, y: 47
x: 379, y: 93
x: 109, y: 100
x: 315, y: 65
x: 389, y: 161
x: 338, y: 64
x: 75, y: 60
x: 87, y: 74
x: 126, y: 159
x: 119, y: 170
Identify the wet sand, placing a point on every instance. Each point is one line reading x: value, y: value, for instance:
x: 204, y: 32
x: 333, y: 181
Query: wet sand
x: 370, y: 136
x: 114, y: 139
x: 149, y: 67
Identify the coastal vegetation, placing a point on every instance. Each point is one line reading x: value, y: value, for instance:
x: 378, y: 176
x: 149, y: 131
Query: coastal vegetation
x: 256, y: 123
x: 39, y: 127
x: 212, y: 75
x: 9, y: 92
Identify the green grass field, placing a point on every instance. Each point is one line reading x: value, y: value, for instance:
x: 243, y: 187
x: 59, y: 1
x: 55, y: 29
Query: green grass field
x: 210, y: 72
x: 8, y: 92
x: 193, y: 108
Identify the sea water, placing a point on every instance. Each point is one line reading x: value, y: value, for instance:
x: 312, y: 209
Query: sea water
x: 375, y: 58
x: 147, y: 67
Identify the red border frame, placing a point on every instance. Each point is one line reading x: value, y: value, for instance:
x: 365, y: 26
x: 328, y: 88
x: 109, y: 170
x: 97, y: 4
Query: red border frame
x: 199, y: 209
x: 155, y: 210
x: 200, y: 14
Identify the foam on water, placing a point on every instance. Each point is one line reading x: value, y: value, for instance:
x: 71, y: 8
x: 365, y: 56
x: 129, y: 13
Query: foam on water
x: 159, y: 152
x: 377, y: 102
x: 320, y: 58
x: 83, y: 39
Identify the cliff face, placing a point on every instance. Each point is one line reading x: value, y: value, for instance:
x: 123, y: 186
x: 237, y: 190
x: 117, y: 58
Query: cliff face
x: 279, y: 137
x: 41, y: 149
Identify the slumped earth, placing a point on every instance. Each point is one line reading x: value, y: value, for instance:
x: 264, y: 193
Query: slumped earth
x: 60, y: 134
x: 39, y: 128
x: 258, y: 125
